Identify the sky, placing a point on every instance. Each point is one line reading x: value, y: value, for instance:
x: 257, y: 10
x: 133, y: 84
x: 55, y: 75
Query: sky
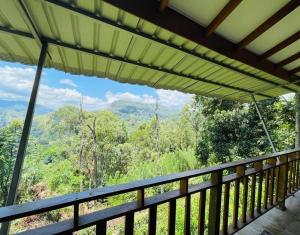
x: 58, y: 89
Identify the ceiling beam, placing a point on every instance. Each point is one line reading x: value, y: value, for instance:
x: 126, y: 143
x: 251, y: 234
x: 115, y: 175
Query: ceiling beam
x: 289, y: 60
x: 295, y: 70
x: 163, y: 5
x: 181, y: 25
x: 284, y: 11
x: 230, y: 6
x: 281, y: 45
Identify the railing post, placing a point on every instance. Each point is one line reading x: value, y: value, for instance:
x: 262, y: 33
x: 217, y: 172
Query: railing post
x: 184, y: 184
x: 240, y: 170
x: 258, y: 166
x: 272, y: 162
x: 282, y: 181
x: 215, y: 197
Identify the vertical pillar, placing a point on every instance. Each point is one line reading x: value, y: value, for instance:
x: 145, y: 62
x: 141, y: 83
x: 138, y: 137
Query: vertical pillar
x: 215, y: 197
x: 283, y: 181
x: 297, y: 117
x: 24, y: 137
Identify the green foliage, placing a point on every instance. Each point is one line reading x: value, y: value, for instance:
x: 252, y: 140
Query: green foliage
x: 71, y: 150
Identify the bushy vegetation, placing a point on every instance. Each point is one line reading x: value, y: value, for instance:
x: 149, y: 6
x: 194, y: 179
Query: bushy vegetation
x: 72, y: 150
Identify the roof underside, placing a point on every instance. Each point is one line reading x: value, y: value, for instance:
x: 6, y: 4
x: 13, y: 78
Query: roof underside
x: 94, y: 38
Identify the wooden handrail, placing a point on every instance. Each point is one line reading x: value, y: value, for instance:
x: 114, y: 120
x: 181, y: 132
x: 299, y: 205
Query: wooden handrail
x: 78, y: 222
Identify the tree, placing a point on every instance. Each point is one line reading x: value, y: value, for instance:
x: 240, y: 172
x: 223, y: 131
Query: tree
x: 9, y: 142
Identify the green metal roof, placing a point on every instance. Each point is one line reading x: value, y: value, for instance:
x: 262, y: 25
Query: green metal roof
x: 108, y: 42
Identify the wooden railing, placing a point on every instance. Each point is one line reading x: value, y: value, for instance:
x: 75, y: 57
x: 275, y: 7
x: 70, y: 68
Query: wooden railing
x: 256, y: 185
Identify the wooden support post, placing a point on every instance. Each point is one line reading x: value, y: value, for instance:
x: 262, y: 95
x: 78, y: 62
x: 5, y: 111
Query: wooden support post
x: 152, y: 220
x: 172, y: 217
x: 187, y: 218
x: 272, y: 162
x: 201, y: 222
x: 215, y: 203
x: 258, y: 166
x: 226, y: 208
x: 140, y: 197
x: 252, y: 200
x: 283, y: 178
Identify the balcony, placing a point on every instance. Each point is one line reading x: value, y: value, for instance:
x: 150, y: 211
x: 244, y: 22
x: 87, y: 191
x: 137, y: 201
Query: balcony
x: 232, y: 196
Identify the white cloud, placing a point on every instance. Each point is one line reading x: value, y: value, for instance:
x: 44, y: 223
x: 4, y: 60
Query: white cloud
x: 68, y: 82
x: 173, y: 98
x: 16, y: 84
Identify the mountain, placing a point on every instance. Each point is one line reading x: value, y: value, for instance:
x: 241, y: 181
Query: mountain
x: 10, y: 110
x: 135, y: 113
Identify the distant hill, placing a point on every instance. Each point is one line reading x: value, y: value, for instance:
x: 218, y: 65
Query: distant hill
x: 10, y: 110
x: 133, y: 113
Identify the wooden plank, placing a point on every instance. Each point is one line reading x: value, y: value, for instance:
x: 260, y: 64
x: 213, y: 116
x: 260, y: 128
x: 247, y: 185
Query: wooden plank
x: 284, y: 11
x: 76, y: 215
x: 258, y: 166
x: 140, y: 197
x: 215, y: 197
x: 202, y: 203
x: 266, y: 196
x: 272, y: 162
x: 245, y: 198
x: 163, y: 5
x: 288, y: 60
x: 230, y: 6
x: 129, y: 223
x: 172, y: 217
x: 281, y: 45
x: 152, y: 220
x: 252, y: 199
x: 187, y: 215
x: 283, y: 180
x: 226, y: 208
x: 101, y: 228
x: 295, y: 70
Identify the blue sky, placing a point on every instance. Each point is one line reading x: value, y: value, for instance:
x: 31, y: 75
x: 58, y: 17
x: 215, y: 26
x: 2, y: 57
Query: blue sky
x: 58, y: 89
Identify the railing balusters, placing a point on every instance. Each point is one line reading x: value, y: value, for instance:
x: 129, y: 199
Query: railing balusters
x: 240, y: 170
x: 226, y: 208
x: 101, y: 228
x: 280, y: 179
x: 152, y: 220
x: 266, y: 196
x: 172, y: 217
x: 277, y: 183
x: 245, y: 197
x: 201, y: 223
x: 283, y: 180
x: 294, y: 173
x: 215, y: 197
x: 252, y: 200
x: 258, y: 167
x: 76, y: 215
x: 272, y: 162
x: 129, y: 223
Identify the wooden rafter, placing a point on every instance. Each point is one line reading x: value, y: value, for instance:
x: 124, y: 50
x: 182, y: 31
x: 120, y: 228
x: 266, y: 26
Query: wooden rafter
x: 181, y: 25
x: 295, y: 70
x: 163, y: 4
x: 289, y: 60
x: 284, y: 11
x: 281, y: 45
x: 230, y: 6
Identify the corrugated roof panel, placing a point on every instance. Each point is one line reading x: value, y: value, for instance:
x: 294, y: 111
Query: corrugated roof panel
x: 87, y: 33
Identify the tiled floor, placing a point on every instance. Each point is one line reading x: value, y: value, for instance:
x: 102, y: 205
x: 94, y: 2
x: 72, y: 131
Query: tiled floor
x: 277, y: 222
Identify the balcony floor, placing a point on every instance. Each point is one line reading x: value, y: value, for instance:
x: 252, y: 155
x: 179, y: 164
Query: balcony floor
x: 277, y: 222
